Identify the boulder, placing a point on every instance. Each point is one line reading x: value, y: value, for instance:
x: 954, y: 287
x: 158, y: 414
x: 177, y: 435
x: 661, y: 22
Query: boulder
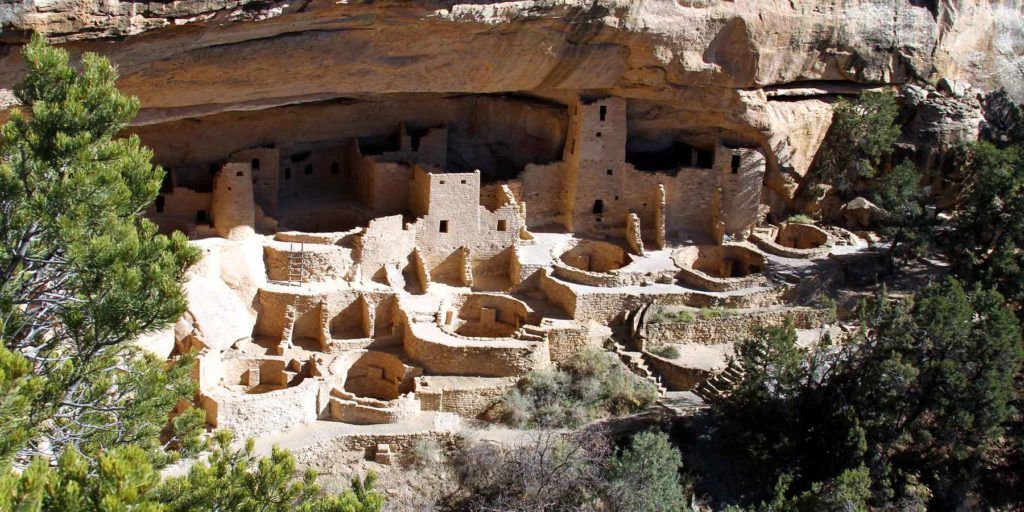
x: 860, y: 212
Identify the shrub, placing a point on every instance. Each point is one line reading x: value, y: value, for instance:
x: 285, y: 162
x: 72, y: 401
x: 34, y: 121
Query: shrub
x: 426, y: 452
x: 645, y: 476
x: 800, y: 219
x: 715, y: 312
x: 575, y: 471
x: 665, y: 317
x: 666, y: 350
x: 591, y: 385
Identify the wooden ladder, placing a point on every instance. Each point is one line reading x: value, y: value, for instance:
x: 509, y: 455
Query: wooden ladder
x: 298, y: 264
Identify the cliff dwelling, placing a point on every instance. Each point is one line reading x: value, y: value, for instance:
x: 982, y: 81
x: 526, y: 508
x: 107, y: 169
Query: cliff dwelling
x: 373, y: 262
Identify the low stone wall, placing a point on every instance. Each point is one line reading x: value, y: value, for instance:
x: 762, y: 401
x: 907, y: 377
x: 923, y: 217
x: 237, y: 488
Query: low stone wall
x: 611, y: 279
x: 675, y: 377
x: 336, y: 448
x: 360, y: 411
x: 702, y: 281
x: 567, y: 342
x: 327, y: 238
x: 470, y: 398
x: 801, y: 241
x: 731, y: 326
x: 607, y: 305
x: 321, y: 262
x: 699, y: 263
x: 443, y: 353
x: 557, y: 293
x: 252, y: 415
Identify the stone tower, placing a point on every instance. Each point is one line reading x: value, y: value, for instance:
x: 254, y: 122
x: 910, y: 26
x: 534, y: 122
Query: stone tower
x: 233, y: 209
x: 595, y: 153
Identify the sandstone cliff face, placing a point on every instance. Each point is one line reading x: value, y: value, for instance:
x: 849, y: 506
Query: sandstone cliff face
x: 760, y: 71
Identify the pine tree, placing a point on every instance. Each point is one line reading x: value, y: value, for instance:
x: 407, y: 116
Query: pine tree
x: 862, y: 134
x: 239, y: 481
x: 82, y: 275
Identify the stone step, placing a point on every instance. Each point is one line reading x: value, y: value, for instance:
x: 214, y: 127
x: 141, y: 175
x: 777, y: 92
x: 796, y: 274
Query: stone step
x: 533, y: 329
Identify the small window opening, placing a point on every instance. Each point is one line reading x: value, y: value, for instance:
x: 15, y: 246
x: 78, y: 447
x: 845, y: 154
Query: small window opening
x: 334, y: 168
x: 441, y: 182
x: 288, y: 173
x: 308, y: 169
x: 415, y: 142
x: 201, y: 216
x: 159, y: 204
x: 255, y: 164
x: 502, y: 225
x: 598, y: 206
x: 598, y: 134
x: 599, y: 219
x: 239, y: 174
x: 616, y: 198
x: 444, y: 226
x: 735, y: 164
x: 610, y: 172
x: 463, y: 182
x: 604, y: 111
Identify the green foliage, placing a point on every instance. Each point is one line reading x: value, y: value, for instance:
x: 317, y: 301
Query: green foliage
x: 552, y: 470
x: 592, y: 384
x: 899, y: 193
x: 989, y: 225
x: 240, y: 481
x: 715, y: 312
x: 81, y: 274
x: 426, y: 452
x: 645, y: 476
x: 862, y: 134
x: 123, y: 478
x: 666, y: 350
x: 800, y: 218
x: 682, y: 316
x: 19, y: 390
x: 120, y: 479
x: 916, y: 398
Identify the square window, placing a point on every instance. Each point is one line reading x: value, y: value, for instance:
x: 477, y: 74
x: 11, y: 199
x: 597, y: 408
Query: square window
x: 441, y: 182
x: 610, y: 172
x: 598, y: 134
x: 463, y: 182
x: 502, y: 225
x: 239, y: 173
x: 444, y: 226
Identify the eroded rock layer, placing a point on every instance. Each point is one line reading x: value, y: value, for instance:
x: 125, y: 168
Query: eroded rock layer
x: 762, y: 71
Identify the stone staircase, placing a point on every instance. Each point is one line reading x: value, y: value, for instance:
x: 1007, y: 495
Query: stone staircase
x: 720, y: 385
x: 636, y: 364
